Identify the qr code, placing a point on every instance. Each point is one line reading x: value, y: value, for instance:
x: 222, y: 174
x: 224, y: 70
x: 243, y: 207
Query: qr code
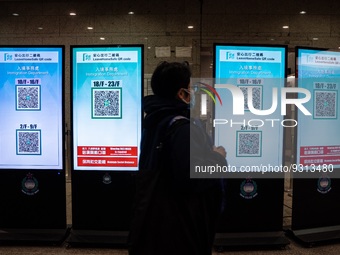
x: 28, y: 97
x: 28, y: 142
x: 107, y: 103
x: 256, y: 96
x: 325, y: 104
x: 249, y: 144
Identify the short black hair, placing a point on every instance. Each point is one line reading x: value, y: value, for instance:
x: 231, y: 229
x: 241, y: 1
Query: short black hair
x: 169, y: 77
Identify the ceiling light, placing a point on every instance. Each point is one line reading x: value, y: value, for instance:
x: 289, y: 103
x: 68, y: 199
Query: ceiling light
x: 73, y: 14
x: 89, y: 28
x: 285, y: 27
x: 15, y: 14
x: 302, y: 12
x: 315, y: 39
x: 190, y: 27
x: 40, y: 28
x: 131, y: 13
x: 102, y: 38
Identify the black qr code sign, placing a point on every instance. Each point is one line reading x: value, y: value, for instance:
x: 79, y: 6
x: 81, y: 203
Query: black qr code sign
x: 325, y: 104
x: 28, y: 142
x: 28, y: 98
x: 256, y: 96
x: 249, y: 144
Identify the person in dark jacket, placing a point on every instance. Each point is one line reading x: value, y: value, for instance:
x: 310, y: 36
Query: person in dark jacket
x: 174, y: 214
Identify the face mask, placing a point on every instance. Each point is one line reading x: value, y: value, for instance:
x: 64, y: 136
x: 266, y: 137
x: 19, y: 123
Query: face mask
x: 192, y: 102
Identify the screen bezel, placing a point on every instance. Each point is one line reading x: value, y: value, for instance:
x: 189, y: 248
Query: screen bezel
x: 114, y: 47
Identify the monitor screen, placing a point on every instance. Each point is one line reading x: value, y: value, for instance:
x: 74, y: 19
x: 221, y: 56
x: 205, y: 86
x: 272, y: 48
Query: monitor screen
x: 106, y: 101
x: 251, y: 131
x: 318, y: 140
x: 31, y: 107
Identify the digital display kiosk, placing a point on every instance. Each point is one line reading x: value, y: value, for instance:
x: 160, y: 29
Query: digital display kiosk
x: 249, y: 123
x: 106, y: 99
x: 31, y: 100
x: 32, y: 144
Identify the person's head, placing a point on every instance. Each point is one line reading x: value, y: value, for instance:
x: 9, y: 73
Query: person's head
x: 171, y: 80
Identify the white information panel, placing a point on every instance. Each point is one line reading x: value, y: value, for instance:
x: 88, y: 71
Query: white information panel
x: 107, y: 115
x: 318, y: 139
x: 250, y: 130
x: 31, y: 108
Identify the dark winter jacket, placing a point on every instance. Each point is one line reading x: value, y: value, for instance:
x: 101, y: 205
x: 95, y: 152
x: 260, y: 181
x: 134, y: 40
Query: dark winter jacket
x: 173, y: 214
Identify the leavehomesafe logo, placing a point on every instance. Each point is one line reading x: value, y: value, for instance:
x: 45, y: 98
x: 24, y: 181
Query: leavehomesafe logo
x: 230, y: 55
x: 310, y: 59
x: 8, y: 57
x: 86, y: 57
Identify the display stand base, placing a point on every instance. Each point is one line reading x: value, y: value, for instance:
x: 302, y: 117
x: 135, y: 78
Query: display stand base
x: 251, y: 240
x: 97, y: 238
x: 33, y: 236
x: 312, y: 236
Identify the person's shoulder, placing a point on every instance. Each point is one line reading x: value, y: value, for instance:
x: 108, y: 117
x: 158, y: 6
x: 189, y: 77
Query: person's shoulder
x: 178, y: 123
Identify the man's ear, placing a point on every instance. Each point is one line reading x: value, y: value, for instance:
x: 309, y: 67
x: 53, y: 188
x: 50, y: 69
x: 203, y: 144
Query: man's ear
x: 181, y: 94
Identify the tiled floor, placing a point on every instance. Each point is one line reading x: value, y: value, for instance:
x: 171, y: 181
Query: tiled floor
x: 292, y: 249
